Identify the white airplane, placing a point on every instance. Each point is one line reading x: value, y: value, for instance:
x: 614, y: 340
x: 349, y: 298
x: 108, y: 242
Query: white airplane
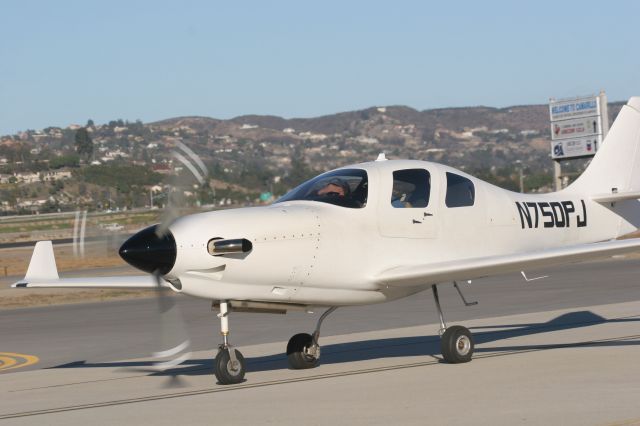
x: 375, y: 232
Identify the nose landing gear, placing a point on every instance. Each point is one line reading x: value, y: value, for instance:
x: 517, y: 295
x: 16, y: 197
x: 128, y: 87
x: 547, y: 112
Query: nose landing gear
x: 229, y: 362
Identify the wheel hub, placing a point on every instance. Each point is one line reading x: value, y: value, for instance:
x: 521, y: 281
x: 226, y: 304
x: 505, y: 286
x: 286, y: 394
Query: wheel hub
x: 312, y: 352
x: 463, y: 345
x: 233, y: 367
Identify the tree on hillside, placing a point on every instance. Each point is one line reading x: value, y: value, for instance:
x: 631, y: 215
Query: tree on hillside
x: 300, y: 171
x: 84, y: 144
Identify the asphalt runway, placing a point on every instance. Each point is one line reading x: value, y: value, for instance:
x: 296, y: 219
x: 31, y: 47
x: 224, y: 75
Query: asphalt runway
x: 573, y: 335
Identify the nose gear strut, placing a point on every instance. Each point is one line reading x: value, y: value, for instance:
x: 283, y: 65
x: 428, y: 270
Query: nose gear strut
x: 229, y: 362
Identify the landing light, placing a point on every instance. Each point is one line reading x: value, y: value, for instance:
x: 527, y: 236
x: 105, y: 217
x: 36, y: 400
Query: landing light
x: 218, y: 247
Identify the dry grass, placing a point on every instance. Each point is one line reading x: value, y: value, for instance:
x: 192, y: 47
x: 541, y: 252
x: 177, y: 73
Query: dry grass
x: 30, y: 298
x: 96, y: 255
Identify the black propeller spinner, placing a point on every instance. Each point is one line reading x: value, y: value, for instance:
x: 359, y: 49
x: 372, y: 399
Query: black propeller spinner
x: 150, y: 251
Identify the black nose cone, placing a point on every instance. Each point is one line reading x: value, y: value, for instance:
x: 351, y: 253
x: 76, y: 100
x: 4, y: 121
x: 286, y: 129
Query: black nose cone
x: 149, y: 251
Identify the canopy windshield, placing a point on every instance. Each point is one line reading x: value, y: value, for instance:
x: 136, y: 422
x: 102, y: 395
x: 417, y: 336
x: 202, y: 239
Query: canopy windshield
x: 345, y: 188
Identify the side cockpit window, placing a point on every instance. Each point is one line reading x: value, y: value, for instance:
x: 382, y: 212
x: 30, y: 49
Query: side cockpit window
x: 460, y: 191
x: 344, y: 187
x: 411, y: 188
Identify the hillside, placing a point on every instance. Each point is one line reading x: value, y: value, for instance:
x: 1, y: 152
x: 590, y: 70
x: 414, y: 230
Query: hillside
x: 248, y: 155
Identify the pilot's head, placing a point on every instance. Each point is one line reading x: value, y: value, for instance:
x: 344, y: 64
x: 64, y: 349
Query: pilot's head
x: 335, y: 186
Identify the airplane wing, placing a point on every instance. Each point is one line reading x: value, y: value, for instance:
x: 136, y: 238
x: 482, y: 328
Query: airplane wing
x: 424, y: 274
x: 42, y: 272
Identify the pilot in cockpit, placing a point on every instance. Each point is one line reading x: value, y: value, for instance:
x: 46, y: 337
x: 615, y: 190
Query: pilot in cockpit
x: 335, y: 187
x: 342, y: 187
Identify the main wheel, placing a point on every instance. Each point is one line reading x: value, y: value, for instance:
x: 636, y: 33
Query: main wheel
x: 298, y: 352
x: 457, y: 345
x: 229, y: 372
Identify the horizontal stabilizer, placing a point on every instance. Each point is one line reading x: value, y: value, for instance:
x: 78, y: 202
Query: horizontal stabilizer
x: 43, y: 273
x: 121, y: 282
x: 424, y: 274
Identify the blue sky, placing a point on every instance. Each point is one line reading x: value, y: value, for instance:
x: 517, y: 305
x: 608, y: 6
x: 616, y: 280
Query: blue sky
x: 64, y: 62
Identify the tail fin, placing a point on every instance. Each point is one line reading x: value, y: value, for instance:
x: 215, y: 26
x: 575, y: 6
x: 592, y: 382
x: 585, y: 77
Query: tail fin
x: 615, y: 169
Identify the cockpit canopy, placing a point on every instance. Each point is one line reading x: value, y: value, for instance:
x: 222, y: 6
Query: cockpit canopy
x: 345, y: 187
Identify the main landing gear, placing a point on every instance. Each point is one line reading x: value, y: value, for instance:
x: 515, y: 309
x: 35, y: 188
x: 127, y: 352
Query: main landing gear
x: 303, y: 350
x: 456, y: 342
x: 229, y: 362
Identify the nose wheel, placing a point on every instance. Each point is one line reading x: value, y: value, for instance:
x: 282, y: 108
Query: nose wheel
x: 230, y: 366
x: 229, y: 362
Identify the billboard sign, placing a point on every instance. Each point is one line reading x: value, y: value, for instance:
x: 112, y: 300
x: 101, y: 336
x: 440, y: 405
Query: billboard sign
x: 573, y: 148
x: 575, y: 127
x: 574, y: 108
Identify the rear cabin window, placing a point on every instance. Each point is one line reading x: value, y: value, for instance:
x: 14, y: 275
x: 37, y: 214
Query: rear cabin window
x: 460, y: 191
x: 411, y: 188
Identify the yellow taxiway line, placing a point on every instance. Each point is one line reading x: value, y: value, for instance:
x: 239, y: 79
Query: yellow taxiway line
x: 10, y: 360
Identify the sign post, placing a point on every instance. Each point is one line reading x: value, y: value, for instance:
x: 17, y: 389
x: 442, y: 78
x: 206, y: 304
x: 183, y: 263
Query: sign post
x: 578, y: 127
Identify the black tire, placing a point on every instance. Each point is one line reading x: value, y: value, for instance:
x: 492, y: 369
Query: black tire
x: 226, y: 371
x: 298, y: 358
x: 457, y: 345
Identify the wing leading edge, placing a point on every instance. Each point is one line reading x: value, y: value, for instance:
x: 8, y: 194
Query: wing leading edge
x: 42, y: 272
x: 423, y: 274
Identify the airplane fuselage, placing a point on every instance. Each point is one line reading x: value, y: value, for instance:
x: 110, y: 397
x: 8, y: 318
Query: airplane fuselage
x: 311, y: 252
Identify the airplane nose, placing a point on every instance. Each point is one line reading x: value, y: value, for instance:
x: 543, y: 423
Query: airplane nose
x: 149, y: 251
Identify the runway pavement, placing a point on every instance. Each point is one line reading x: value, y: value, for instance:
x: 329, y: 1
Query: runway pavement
x: 558, y: 350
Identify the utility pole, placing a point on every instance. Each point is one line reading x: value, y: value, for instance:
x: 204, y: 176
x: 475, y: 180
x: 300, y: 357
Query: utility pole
x: 557, y: 175
x: 521, y: 173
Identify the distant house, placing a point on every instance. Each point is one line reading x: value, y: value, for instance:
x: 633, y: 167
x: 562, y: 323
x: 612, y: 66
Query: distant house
x: 366, y: 140
x: 57, y: 175
x: 313, y: 136
x: 162, y: 168
x: 27, y: 177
